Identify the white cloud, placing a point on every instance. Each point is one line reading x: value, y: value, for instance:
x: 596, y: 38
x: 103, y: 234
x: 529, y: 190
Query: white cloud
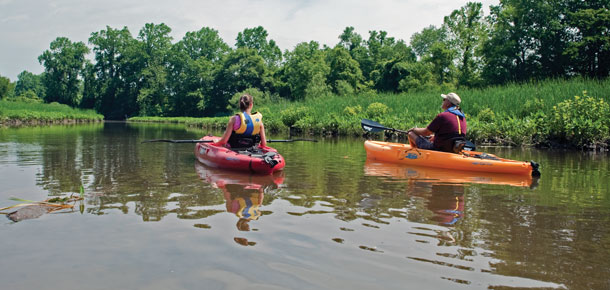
x: 28, y: 26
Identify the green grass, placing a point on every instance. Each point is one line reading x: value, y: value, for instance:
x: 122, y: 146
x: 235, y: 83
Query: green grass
x: 38, y: 112
x: 514, y: 114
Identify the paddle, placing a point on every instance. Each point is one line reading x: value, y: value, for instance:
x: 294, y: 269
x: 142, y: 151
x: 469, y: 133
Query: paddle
x: 372, y: 126
x: 210, y: 141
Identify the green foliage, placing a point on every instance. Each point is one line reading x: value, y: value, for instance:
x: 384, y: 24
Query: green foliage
x: 591, y: 50
x: 291, y: 115
x: 344, y: 88
x: 352, y: 111
x: 495, y: 115
x: 345, y: 75
x: 115, y: 72
x: 466, y: 30
x: 422, y: 41
x: 518, y: 42
x: 260, y: 98
x: 32, y: 111
x: 305, y: 71
x: 152, y: 99
x: 256, y: 39
x: 6, y: 87
x: 241, y: 69
x: 532, y: 106
x: 28, y: 96
x: 581, y: 121
x: 63, y: 63
x: 376, y: 110
x: 29, y: 83
x: 486, y: 115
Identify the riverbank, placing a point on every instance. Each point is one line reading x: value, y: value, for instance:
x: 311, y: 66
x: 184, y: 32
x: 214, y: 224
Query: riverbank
x: 553, y: 113
x: 22, y: 113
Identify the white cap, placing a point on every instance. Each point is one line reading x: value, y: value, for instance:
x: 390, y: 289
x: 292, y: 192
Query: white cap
x: 453, y: 98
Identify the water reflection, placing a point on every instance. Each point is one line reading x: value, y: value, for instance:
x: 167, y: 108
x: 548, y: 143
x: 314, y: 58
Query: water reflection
x: 441, y: 190
x: 243, y: 193
x: 486, y: 230
x: 444, y: 176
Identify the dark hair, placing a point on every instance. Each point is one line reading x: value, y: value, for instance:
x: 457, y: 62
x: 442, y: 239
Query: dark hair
x: 244, y: 102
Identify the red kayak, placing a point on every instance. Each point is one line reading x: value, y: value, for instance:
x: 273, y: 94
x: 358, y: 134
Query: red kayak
x: 264, y: 160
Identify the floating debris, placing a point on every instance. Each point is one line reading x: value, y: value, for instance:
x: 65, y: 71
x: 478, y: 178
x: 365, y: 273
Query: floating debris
x: 29, y: 209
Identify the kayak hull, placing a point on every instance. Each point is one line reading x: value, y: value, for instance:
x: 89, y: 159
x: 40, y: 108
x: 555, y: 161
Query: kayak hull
x: 404, y: 154
x: 222, y: 157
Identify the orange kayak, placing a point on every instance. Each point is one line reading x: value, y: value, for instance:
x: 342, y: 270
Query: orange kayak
x: 467, y: 161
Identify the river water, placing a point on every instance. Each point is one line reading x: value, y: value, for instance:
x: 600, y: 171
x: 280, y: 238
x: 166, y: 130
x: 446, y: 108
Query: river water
x: 154, y: 218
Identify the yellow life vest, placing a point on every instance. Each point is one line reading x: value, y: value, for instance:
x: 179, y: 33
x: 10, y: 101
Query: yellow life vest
x: 250, y: 124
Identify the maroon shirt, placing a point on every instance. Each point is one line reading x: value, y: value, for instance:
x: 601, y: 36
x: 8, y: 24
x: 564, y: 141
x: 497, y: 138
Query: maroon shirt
x: 445, y: 127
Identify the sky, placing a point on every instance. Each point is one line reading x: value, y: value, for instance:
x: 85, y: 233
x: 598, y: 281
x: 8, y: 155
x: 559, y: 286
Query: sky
x: 27, y: 27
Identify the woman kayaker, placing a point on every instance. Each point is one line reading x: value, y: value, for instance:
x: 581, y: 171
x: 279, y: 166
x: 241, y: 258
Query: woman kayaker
x: 244, y: 130
x: 448, y: 128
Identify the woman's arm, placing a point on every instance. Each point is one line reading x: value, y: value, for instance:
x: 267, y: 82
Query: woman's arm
x: 227, y: 134
x: 263, y: 138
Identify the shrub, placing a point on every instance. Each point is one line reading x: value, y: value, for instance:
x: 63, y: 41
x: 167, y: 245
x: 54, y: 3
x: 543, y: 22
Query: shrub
x: 352, y: 111
x: 486, y: 115
x: 580, y: 121
x: 376, y: 110
x: 291, y: 115
x: 260, y: 98
x: 343, y: 88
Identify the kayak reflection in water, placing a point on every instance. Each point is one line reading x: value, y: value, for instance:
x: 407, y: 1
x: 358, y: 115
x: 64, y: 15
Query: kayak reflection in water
x: 244, y: 202
x: 445, y: 201
x: 243, y: 193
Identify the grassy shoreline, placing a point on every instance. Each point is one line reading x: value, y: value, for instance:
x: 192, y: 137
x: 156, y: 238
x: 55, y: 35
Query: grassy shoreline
x: 21, y: 113
x: 552, y: 113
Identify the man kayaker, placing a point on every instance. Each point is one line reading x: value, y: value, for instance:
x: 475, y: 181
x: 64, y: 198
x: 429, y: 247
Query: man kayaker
x: 244, y: 130
x: 448, y: 128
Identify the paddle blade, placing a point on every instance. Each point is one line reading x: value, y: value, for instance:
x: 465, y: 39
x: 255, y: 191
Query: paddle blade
x: 372, y: 126
x: 470, y: 146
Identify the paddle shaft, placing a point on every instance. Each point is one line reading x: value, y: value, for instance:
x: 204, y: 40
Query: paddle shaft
x: 210, y: 141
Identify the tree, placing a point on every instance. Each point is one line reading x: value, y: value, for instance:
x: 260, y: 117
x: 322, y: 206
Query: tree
x: 204, y: 43
x: 240, y: 69
x: 29, y: 82
x: 116, y: 72
x: 63, y: 63
x: 193, y: 62
x: 590, y: 51
x: 422, y: 42
x: 305, y: 71
x: 256, y: 39
x: 467, y: 29
x: 350, y: 40
x: 156, y: 43
x: 527, y: 40
x: 6, y: 87
x: 345, y: 75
